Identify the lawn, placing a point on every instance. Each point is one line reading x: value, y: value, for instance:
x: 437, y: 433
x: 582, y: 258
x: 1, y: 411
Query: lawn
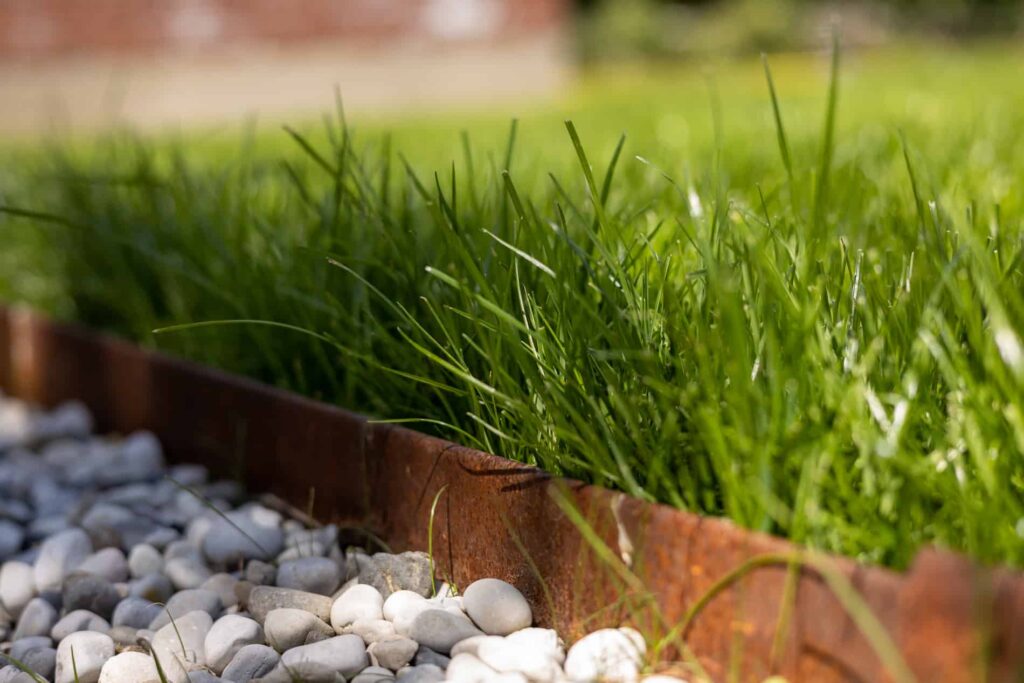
x: 813, y: 329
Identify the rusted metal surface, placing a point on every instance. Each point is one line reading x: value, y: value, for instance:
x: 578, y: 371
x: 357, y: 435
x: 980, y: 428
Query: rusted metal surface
x: 950, y: 620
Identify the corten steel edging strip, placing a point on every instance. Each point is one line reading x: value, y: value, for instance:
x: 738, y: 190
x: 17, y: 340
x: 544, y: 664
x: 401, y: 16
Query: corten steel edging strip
x: 499, y: 518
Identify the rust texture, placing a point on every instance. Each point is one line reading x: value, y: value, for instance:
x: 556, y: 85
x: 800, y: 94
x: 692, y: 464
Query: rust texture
x: 950, y: 620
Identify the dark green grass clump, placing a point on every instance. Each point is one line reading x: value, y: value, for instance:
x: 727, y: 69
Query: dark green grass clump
x: 828, y: 349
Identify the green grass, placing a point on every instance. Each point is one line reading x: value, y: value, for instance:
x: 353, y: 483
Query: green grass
x: 806, y: 318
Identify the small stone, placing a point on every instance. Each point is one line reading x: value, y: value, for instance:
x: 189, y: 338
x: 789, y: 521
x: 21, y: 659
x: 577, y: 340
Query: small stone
x: 108, y: 563
x: 287, y: 628
x: 497, y: 607
x: 423, y: 673
x: 90, y: 651
x: 20, y: 647
x: 541, y: 639
x: 252, y: 661
x: 260, y: 573
x: 116, y: 525
x: 611, y: 654
x: 90, y: 592
x: 180, y: 646
x: 358, y: 602
x: 321, y: 661
x: 12, y: 674
x: 136, y: 612
x: 202, y: 676
x: 12, y: 536
x: 504, y: 655
x: 424, y: 655
x: 187, y: 572
x: 224, y: 586
x: 17, y: 586
x: 227, y: 636
x: 250, y: 532
x: 78, y: 620
x: 124, y: 636
x: 180, y: 604
x: 144, y: 560
x: 371, y: 630
x: 393, y: 652
x: 373, y: 674
x: 262, y: 599
x: 311, y: 574
x: 129, y: 667
x: 389, y: 573
x: 41, y: 660
x: 60, y: 555
x: 152, y: 587
x: 404, y: 603
x: 37, y: 619
x: 440, y: 630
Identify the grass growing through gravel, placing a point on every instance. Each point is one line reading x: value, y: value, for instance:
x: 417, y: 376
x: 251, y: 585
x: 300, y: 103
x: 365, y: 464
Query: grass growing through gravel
x: 804, y: 314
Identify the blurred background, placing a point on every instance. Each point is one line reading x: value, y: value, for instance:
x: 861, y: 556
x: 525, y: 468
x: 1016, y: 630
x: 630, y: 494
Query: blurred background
x: 87, y: 64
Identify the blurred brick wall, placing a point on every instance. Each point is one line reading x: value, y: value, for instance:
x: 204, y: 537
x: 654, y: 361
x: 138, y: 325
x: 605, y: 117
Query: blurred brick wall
x: 41, y: 29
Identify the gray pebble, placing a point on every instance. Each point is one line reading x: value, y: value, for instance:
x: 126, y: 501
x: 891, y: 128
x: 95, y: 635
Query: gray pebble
x: 389, y: 573
x: 37, y: 619
x: 260, y: 573
x: 227, y: 636
x: 12, y: 674
x: 20, y: 647
x: 424, y: 655
x: 373, y: 674
x: 497, y: 607
x: 136, y: 613
x: 393, y: 652
x: 311, y: 574
x: 90, y: 592
x: 108, y: 563
x: 60, y: 555
x: 262, y: 599
x: 252, y: 661
x: 124, y: 636
x: 153, y: 587
x: 180, y: 604
x: 424, y: 673
x: 250, y: 532
x: 187, y: 572
x: 12, y: 536
x: 17, y: 586
x: 223, y: 585
x: 288, y: 627
x: 440, y: 630
x: 78, y: 620
x: 321, y: 661
x: 180, y: 646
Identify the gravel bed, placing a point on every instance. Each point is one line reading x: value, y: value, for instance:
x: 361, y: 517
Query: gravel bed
x: 119, y: 569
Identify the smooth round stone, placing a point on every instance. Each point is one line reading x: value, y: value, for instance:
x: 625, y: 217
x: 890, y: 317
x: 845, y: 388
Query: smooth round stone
x: 358, y: 602
x: 153, y: 587
x: 227, y: 636
x: 60, y: 555
x: 12, y: 674
x: 90, y: 592
x: 37, y: 619
x: 144, y: 560
x: 136, y: 612
x: 371, y: 630
x: 262, y: 599
x: 180, y: 604
x: 12, y: 536
x: 504, y: 655
x: 78, y: 620
x: 225, y: 544
x: 467, y: 667
x: 116, y: 525
x: 423, y: 673
x: 252, y: 661
x: 393, y: 652
x: 202, y: 676
x: 404, y: 603
x: 180, y: 646
x: 129, y: 667
x: 17, y: 586
x: 41, y: 660
x: 320, y: 662
x: 497, y: 607
x: 224, y: 586
x: 161, y: 537
x: 615, y: 654
x: 124, y: 636
x: 311, y: 574
x: 187, y: 572
x: 140, y: 459
x: 108, y: 563
x: 373, y: 674
x: 20, y: 647
x: 541, y: 639
x: 440, y: 630
x: 287, y: 628
x: 91, y: 652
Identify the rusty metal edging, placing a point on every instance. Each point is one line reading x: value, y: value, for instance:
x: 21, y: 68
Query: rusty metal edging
x: 952, y: 620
